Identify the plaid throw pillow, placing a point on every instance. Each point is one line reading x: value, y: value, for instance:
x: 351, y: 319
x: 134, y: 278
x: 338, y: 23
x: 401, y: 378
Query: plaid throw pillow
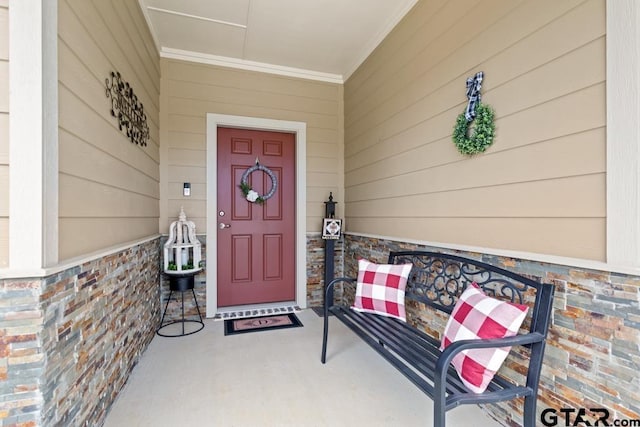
x: 380, y: 289
x: 477, y: 316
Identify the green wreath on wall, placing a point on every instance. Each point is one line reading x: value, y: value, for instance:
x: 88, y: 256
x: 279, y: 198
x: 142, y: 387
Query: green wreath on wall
x: 482, y: 134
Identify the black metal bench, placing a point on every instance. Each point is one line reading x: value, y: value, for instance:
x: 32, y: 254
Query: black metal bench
x: 436, y: 280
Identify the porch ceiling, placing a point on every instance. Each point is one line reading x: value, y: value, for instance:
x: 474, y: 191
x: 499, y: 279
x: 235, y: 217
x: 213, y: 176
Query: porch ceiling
x: 324, y: 39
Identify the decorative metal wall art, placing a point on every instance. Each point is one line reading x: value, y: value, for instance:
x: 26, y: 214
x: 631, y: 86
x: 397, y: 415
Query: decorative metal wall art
x: 126, y: 108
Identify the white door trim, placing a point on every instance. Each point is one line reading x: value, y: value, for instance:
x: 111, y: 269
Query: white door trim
x: 300, y: 129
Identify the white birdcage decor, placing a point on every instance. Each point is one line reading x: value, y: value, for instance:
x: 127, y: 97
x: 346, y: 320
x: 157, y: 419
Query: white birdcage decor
x: 182, y: 251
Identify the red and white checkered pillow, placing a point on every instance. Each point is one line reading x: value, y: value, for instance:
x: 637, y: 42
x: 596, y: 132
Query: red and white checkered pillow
x: 474, y: 316
x: 380, y: 288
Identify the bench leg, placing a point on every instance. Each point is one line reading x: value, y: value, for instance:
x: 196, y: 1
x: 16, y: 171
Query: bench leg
x: 439, y: 400
x: 439, y: 416
x: 529, y: 416
x: 325, y: 333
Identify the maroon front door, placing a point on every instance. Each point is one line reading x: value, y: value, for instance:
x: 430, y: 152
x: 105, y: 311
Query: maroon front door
x: 256, y: 242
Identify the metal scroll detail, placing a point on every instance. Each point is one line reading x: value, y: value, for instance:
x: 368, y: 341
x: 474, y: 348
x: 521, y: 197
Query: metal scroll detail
x: 439, y: 280
x: 127, y: 109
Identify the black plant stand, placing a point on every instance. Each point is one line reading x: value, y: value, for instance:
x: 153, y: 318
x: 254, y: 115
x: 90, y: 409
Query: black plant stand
x: 181, y: 283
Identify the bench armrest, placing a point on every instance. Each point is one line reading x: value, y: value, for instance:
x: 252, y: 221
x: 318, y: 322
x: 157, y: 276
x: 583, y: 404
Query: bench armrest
x: 442, y: 365
x: 329, y: 292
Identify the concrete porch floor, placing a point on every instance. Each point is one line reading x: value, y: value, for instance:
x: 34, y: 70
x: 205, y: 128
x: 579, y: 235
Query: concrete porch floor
x: 273, y: 378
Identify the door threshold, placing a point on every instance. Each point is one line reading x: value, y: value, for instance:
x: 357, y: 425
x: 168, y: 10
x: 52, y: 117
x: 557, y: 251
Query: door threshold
x: 256, y: 310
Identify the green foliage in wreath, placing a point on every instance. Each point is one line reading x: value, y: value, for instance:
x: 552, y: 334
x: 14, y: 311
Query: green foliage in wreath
x: 255, y: 197
x: 482, y: 135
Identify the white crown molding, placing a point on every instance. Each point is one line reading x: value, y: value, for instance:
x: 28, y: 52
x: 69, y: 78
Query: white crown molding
x: 377, y: 39
x: 147, y: 17
x: 243, y: 64
x: 196, y: 17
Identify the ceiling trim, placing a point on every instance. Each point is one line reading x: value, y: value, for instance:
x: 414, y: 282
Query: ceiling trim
x: 377, y: 39
x: 147, y: 17
x: 200, y: 18
x: 242, y: 64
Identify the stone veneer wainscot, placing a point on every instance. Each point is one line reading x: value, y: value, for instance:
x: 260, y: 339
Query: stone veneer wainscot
x: 69, y: 341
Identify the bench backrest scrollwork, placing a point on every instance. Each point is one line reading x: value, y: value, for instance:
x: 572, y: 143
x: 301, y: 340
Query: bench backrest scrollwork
x: 438, y: 279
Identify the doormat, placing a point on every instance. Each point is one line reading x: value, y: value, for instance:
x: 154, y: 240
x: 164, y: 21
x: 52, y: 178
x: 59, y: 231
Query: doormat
x: 262, y: 323
x: 241, y: 314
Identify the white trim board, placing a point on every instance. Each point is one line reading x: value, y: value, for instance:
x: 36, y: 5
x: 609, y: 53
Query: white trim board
x: 33, y: 134
x: 623, y: 133
x: 300, y: 129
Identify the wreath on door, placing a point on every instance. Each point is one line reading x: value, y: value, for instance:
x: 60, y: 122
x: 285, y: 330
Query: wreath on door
x: 249, y: 193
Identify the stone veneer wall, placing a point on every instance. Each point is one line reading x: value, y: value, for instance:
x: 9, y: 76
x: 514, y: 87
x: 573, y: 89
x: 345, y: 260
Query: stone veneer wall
x: 592, y: 358
x: 315, y: 267
x: 68, y: 342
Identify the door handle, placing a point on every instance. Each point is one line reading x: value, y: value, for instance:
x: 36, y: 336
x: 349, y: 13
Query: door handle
x: 222, y: 225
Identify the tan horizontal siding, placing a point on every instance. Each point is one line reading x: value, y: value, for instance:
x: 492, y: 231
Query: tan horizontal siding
x: 457, y: 24
x: 563, y: 77
x: 186, y: 140
x: 576, y: 154
x: 191, y: 174
x: 86, y: 75
x: 100, y: 200
x: 568, y: 237
x: 544, y: 65
x: 189, y: 205
x: 99, y: 24
x: 250, y: 81
x: 103, y: 167
x: 97, y: 129
x: 187, y: 157
x: 197, y: 91
x: 198, y: 190
x: 566, y: 198
x: 446, y: 41
x: 193, y: 90
x: 108, y: 186
x: 92, y: 234
x: 191, y: 108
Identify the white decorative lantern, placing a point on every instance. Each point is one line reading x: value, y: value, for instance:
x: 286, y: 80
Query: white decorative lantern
x: 182, y: 252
